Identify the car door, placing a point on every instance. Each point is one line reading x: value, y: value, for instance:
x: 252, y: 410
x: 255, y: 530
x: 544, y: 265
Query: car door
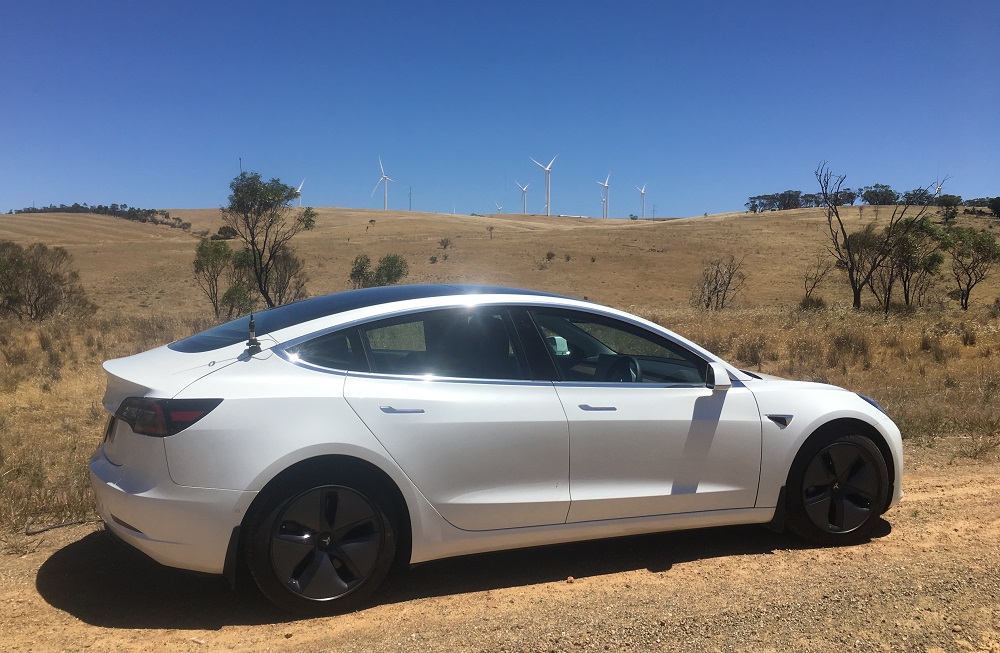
x: 450, y: 399
x: 647, y: 436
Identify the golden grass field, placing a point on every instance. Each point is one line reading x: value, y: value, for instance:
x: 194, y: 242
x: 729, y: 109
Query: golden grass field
x: 934, y: 370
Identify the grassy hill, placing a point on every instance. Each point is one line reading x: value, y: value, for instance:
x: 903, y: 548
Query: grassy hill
x: 643, y: 264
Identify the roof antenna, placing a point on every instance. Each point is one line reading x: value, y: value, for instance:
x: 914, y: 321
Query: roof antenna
x: 253, y: 345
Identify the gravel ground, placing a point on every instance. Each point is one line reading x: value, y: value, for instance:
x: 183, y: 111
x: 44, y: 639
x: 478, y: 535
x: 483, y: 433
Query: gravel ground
x: 929, y: 581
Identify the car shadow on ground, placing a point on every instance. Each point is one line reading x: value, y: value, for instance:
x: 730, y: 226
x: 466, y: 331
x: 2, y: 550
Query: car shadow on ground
x: 104, y: 583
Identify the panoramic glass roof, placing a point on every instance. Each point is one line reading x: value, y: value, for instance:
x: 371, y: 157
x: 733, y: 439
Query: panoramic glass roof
x: 288, y: 315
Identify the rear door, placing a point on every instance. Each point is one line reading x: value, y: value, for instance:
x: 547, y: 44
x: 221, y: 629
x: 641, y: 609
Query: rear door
x: 451, y: 399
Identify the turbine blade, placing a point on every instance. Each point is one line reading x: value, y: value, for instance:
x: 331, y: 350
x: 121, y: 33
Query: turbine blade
x: 376, y: 186
x: 608, y: 179
x: 551, y: 162
x: 537, y: 163
x: 300, y: 186
x: 392, y: 180
x: 380, y: 166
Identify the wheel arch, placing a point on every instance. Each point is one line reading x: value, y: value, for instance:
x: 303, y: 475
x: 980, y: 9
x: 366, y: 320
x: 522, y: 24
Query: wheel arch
x: 853, y: 426
x: 335, y: 467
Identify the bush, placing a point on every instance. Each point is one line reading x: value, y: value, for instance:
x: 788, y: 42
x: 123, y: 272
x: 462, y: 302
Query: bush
x: 391, y: 269
x: 37, y: 282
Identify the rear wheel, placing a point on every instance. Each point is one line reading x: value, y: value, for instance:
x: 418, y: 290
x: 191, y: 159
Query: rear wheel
x: 837, y: 489
x: 321, y: 548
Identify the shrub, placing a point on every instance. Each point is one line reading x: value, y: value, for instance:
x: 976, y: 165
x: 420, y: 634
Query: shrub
x: 721, y: 281
x: 37, y: 282
x: 549, y: 255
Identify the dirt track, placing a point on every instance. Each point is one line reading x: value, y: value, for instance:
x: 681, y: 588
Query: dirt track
x: 930, y: 581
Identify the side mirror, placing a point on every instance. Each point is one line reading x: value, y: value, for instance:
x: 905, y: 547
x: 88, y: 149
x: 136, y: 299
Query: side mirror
x: 718, y: 377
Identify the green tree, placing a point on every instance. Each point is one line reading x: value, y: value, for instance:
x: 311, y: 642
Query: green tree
x: 262, y: 215
x: 918, y: 258
x: 949, y: 206
x: 862, y: 253
x: 973, y: 254
x: 391, y: 269
x: 211, y: 261
x: 879, y: 195
x: 994, y: 205
x: 37, y: 282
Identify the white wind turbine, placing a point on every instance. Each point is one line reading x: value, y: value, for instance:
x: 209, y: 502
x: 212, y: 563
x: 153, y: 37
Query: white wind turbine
x: 299, y: 193
x: 499, y: 208
x: 642, y: 193
x: 384, y: 179
x: 524, y: 197
x: 607, y: 194
x: 548, y: 170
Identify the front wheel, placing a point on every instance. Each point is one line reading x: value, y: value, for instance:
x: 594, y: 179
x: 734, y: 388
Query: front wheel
x: 323, y: 548
x: 837, y: 489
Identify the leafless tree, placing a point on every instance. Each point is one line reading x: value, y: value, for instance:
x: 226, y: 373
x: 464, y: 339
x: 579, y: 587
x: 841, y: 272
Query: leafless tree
x: 721, y: 281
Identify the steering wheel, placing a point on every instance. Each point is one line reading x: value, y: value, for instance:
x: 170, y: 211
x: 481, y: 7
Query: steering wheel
x: 625, y: 370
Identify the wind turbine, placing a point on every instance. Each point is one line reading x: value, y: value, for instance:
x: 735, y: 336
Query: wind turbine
x: 524, y: 197
x: 607, y: 194
x: 299, y: 192
x: 384, y: 179
x: 499, y: 208
x: 548, y: 170
x: 642, y: 192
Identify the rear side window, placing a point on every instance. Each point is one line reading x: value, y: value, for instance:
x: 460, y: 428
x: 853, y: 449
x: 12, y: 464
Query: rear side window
x: 340, y: 350
x: 460, y: 343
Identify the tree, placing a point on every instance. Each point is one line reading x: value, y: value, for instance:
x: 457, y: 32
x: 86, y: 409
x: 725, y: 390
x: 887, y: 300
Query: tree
x: 287, y: 279
x: 37, y: 282
x: 879, y: 195
x: 816, y: 272
x: 918, y: 196
x: 261, y: 213
x: 721, y: 280
x: 917, y: 258
x: 949, y: 206
x: 391, y: 269
x: 994, y: 206
x: 211, y: 260
x: 860, y: 253
x: 973, y: 253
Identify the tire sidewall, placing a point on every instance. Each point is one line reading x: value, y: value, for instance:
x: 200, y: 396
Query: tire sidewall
x: 798, y: 519
x: 261, y: 524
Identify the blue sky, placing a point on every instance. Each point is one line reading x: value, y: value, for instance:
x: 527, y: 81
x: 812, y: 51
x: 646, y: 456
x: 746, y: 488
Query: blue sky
x: 706, y: 103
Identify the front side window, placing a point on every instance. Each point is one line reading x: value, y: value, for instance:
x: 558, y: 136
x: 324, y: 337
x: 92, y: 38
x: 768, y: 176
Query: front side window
x: 460, y: 343
x: 588, y: 347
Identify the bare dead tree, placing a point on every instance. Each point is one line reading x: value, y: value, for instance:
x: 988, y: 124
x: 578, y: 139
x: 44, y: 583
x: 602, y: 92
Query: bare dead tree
x: 819, y: 268
x: 721, y: 281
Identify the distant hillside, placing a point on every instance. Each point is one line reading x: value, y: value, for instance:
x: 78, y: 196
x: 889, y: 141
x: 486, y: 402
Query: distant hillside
x: 128, y: 266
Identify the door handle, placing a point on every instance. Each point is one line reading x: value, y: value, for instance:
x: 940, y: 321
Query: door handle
x: 597, y: 409
x: 389, y: 410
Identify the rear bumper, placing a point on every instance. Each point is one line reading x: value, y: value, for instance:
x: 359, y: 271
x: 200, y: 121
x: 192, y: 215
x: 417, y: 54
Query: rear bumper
x: 184, y: 527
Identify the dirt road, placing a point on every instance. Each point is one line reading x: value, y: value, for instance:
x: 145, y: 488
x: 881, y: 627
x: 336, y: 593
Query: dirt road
x: 930, y: 581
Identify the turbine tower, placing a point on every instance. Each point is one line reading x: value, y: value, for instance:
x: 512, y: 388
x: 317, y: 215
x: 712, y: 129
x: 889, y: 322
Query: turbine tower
x: 642, y: 193
x: 548, y: 170
x: 299, y: 192
x: 384, y: 179
x: 524, y: 197
x: 607, y: 194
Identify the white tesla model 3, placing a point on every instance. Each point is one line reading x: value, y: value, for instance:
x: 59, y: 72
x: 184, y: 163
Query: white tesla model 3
x: 411, y: 423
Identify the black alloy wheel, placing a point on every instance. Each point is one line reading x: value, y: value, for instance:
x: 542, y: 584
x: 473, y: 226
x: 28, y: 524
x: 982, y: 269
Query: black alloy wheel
x: 324, y: 550
x: 837, y: 490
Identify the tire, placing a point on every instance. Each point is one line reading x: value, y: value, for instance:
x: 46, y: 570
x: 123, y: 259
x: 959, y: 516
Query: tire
x: 321, y: 547
x: 837, y: 489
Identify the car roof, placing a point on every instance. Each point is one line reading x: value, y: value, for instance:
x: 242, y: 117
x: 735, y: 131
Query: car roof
x: 280, y: 317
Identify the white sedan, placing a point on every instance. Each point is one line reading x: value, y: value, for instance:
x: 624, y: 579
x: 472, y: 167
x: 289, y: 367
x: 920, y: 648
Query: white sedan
x: 322, y: 443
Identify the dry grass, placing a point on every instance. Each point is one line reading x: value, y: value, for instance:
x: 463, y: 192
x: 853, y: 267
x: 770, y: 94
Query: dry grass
x: 933, y: 370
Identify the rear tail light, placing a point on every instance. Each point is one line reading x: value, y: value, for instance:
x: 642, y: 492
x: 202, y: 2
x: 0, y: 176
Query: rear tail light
x: 163, y: 417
